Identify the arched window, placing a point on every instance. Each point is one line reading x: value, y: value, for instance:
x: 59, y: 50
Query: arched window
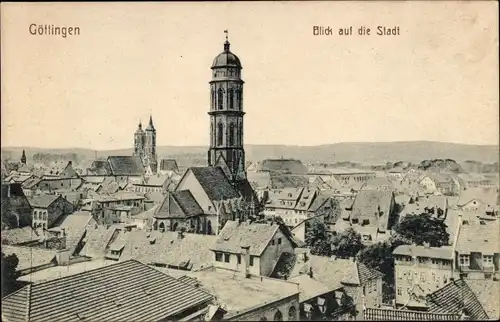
x: 174, y: 227
x: 240, y: 101
x: 162, y: 227
x: 212, y: 133
x: 231, y: 99
x: 212, y: 98
x: 220, y: 99
x: 278, y: 316
x: 292, y: 313
x: 240, y: 136
x: 220, y: 133
x: 36, y: 214
x: 45, y: 217
x: 231, y: 134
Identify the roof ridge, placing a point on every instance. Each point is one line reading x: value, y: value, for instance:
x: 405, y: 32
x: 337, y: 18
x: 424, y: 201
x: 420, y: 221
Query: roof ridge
x: 122, y: 263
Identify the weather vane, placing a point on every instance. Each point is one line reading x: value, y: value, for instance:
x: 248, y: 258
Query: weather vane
x: 227, y: 34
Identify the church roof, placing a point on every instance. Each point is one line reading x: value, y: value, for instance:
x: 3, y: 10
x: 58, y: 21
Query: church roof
x: 179, y: 204
x: 126, y: 165
x: 226, y: 58
x: 215, y: 183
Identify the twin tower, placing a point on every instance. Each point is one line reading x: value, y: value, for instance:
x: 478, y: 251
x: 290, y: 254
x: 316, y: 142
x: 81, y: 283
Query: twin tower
x: 226, y: 120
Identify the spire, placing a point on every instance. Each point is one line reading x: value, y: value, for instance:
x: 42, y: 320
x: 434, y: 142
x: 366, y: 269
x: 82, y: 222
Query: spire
x: 226, y: 44
x: 23, y: 157
x: 150, y: 125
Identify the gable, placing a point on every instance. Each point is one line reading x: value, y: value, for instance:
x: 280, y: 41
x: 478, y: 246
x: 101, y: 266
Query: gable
x: 191, y: 183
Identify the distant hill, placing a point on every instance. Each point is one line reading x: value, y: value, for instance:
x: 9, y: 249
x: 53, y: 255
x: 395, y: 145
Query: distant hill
x: 364, y: 153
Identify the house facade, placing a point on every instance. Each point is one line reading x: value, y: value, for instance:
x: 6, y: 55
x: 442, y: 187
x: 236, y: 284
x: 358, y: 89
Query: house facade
x: 419, y: 271
x: 46, y: 209
x: 251, y: 248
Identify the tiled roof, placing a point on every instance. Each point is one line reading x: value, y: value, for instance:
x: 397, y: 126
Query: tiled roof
x: 369, y: 204
x: 379, y: 314
x: 456, y: 298
x: 489, y: 196
x: 152, y: 247
x: 422, y: 251
x: 146, y: 215
x: 120, y: 195
x: 168, y: 165
x: 487, y: 293
x: 336, y: 272
x: 30, y: 256
x: 246, y: 190
x: 110, y: 293
x: 157, y: 180
x: 377, y: 182
x: 179, y: 204
x: 32, y: 182
x: 284, y: 180
x: 235, y: 234
x: 74, y: 226
x: 42, y: 201
x: 309, y: 287
x: 479, y: 238
x: 215, y: 183
x: 19, y: 236
x: 126, y: 165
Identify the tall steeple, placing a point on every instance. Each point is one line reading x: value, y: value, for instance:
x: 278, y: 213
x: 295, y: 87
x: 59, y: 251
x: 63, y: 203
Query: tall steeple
x: 226, y: 112
x: 23, y: 157
x: 150, y: 157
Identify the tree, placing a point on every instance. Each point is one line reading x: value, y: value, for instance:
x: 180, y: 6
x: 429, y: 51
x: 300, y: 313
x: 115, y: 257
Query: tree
x: 423, y: 228
x: 346, y: 244
x: 379, y: 256
x: 318, y: 238
x: 9, y: 273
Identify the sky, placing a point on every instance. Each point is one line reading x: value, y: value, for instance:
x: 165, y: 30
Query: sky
x: 436, y: 81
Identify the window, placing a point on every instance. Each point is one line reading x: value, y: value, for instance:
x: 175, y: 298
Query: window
x: 279, y: 241
x: 231, y: 99
x: 487, y: 275
x: 231, y: 134
x: 422, y: 260
x: 464, y: 260
x: 220, y: 99
x: 435, y: 261
x: 272, y: 241
x: 251, y: 260
x: 220, y: 133
x: 488, y: 260
x: 239, y: 259
x: 218, y: 257
x: 400, y: 291
x: 226, y: 258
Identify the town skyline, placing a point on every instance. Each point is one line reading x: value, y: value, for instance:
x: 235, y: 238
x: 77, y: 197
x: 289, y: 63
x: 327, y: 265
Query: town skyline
x: 91, y: 90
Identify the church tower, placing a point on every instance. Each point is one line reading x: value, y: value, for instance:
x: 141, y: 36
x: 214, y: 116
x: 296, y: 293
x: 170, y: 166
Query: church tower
x: 150, y: 156
x: 226, y: 114
x: 139, y: 139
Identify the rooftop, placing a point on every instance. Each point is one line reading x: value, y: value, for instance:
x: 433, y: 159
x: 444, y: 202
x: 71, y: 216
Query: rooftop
x: 30, y: 256
x: 422, y: 251
x: 238, y: 293
x: 100, y: 294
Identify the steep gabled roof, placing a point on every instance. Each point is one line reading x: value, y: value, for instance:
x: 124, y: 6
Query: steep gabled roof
x: 373, y: 205
x: 42, y: 201
x: 126, y: 165
x: 234, y: 235
x: 178, y: 204
x: 456, y: 297
x: 110, y: 293
x: 215, y: 183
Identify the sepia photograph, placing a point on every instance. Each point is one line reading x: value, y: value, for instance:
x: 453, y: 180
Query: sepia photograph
x: 250, y: 161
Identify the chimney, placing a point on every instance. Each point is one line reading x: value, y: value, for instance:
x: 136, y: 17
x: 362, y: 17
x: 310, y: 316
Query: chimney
x: 246, y: 254
x: 310, y: 272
